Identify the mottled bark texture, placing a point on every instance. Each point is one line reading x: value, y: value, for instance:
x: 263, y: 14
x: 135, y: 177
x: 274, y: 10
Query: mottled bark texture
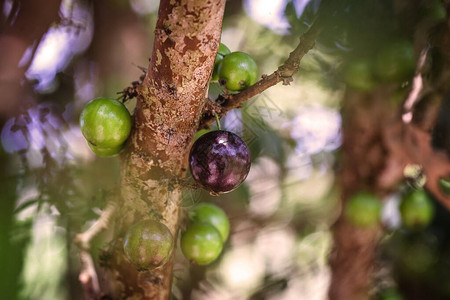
x: 167, y: 116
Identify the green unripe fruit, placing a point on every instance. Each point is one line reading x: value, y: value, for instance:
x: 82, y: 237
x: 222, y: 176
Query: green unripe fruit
x: 148, y: 244
x: 105, y: 123
x: 238, y: 71
x: 396, y: 62
x: 363, y: 209
x: 223, y: 50
x: 105, y: 152
x: 212, y: 215
x: 416, y: 209
x: 358, y: 75
x: 201, y: 243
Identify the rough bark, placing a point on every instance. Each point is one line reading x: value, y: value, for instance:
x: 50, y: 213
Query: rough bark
x: 167, y: 115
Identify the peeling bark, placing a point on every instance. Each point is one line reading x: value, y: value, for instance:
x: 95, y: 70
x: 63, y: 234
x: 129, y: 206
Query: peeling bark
x: 167, y: 116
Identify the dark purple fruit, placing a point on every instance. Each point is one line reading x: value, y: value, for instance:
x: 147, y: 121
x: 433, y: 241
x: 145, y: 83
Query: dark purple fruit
x: 219, y: 161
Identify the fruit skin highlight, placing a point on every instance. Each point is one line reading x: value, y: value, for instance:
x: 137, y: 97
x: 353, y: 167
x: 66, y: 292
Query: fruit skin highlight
x: 201, y: 243
x: 219, y: 161
x: 105, y: 123
x: 148, y: 244
x: 238, y: 71
x: 416, y: 209
x: 212, y: 215
x: 363, y: 209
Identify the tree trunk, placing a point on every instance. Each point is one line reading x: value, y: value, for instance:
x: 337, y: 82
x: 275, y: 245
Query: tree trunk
x: 364, y: 163
x: 167, y: 116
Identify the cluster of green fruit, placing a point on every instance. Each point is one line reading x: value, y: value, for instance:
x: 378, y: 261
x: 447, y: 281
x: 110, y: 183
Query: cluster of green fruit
x: 149, y: 243
x: 106, y: 124
x: 234, y: 70
x: 416, y: 209
x: 203, y: 240
x: 393, y: 63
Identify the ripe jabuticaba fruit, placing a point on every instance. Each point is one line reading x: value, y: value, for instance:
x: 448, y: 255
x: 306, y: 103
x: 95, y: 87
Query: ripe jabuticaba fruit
x: 219, y: 161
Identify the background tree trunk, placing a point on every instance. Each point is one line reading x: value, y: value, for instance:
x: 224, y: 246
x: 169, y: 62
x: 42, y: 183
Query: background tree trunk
x: 364, y: 158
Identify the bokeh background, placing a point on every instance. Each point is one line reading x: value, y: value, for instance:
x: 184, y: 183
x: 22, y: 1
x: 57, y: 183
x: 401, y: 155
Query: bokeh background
x: 53, y: 187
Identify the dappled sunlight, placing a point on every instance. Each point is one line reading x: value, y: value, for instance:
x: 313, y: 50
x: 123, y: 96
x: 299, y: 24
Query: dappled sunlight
x: 45, y: 260
x: 58, y: 47
x: 390, y: 215
x: 277, y: 245
x: 41, y: 131
x: 263, y: 183
x: 316, y: 129
x: 269, y: 13
x: 242, y: 269
x: 144, y: 7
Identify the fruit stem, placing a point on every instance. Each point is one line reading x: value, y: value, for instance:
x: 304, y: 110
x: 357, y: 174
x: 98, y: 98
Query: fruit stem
x: 217, y: 121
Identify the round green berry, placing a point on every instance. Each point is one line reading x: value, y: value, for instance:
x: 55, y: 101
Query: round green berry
x: 363, y: 209
x: 238, y: 71
x: 201, y: 243
x: 416, y: 209
x: 212, y: 215
x: 105, y: 123
x: 148, y: 244
x: 223, y: 50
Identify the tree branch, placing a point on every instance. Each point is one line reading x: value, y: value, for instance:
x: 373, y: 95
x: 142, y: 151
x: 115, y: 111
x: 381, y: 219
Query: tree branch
x: 88, y: 276
x: 83, y: 240
x: 283, y: 74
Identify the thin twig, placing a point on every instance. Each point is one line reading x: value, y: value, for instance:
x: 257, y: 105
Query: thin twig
x: 283, y: 74
x: 83, y: 240
x: 88, y: 276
